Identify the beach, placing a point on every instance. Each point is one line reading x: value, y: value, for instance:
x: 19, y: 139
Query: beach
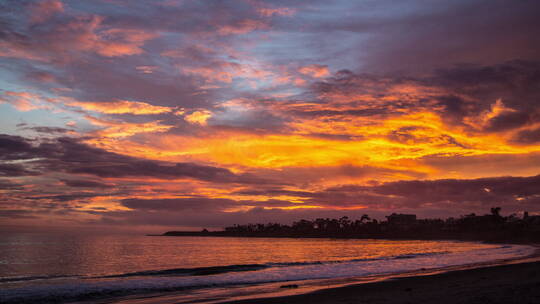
x: 512, y: 283
x: 503, y: 281
x: 129, y: 269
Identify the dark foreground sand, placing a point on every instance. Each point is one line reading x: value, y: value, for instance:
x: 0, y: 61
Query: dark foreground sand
x: 515, y: 283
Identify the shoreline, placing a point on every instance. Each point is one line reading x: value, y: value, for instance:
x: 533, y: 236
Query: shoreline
x: 353, y: 289
x: 513, y: 241
x: 507, y: 281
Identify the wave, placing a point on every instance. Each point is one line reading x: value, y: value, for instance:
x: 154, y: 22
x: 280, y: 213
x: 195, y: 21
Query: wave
x: 213, y: 270
x: 34, y: 278
x: 202, y: 271
x: 88, y: 288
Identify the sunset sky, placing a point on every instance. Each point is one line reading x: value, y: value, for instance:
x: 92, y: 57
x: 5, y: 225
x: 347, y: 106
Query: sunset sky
x: 148, y: 115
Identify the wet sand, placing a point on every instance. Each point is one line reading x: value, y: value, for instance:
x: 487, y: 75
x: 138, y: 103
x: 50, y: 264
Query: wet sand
x: 515, y: 280
x: 514, y: 283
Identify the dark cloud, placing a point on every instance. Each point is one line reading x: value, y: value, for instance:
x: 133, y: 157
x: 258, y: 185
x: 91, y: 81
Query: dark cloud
x: 72, y: 156
x: 275, y: 192
x: 12, y: 170
x: 441, y: 33
x: 49, y: 130
x: 406, y: 135
x: 8, y: 185
x: 531, y: 136
x: 514, y: 192
x: 508, y: 121
x: 217, y: 219
x: 85, y: 184
x: 179, y: 204
x: 516, y: 84
x: 66, y: 197
x: 462, y: 195
x: 432, y: 198
x: 15, y: 147
x: 460, y: 94
x: 16, y: 214
x: 197, y: 204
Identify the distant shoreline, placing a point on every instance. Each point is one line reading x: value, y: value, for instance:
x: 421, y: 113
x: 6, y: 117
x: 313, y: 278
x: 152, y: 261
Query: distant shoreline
x: 490, y: 228
x: 463, y: 238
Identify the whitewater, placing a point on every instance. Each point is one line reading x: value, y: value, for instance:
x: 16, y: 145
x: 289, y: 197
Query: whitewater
x: 66, y: 269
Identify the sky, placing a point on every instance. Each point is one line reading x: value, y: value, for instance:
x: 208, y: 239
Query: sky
x: 152, y: 115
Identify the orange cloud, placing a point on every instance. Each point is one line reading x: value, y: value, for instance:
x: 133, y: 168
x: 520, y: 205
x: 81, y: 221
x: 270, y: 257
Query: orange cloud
x: 315, y: 70
x: 198, y: 117
x: 115, y: 130
x: 121, y: 42
x: 396, y: 145
x: 26, y: 101
x: 121, y: 107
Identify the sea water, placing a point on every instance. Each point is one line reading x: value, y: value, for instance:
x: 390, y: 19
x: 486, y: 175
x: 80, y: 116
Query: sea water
x: 66, y: 268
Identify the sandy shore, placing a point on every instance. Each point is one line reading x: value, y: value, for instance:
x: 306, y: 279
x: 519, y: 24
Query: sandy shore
x: 515, y: 280
x: 514, y: 283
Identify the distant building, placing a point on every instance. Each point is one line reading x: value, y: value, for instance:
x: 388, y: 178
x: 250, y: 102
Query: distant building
x: 401, y: 219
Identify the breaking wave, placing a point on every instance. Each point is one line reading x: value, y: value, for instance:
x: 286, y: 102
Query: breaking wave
x: 66, y: 289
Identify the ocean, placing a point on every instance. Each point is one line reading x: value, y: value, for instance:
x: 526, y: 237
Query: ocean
x: 58, y: 268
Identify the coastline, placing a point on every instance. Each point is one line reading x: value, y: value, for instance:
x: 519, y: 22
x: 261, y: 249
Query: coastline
x: 492, y: 280
x: 493, y: 239
x: 510, y: 283
x: 507, y: 281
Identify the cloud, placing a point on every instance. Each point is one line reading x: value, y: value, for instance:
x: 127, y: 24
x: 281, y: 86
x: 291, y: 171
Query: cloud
x: 12, y: 170
x: 121, y: 107
x: 66, y: 38
x: 8, y: 185
x: 421, y: 37
x: 25, y: 101
x: 77, y: 183
x: 241, y: 27
x: 461, y: 196
x: 43, y: 10
x: 16, y: 148
x: 505, y: 93
x: 257, y: 105
x: 511, y: 193
x: 198, y: 117
x: 529, y: 136
x: 119, y: 129
x: 66, y: 197
x: 179, y: 204
x: 72, y: 156
x: 315, y: 70
x: 49, y: 130
x: 280, y: 11
x: 16, y: 214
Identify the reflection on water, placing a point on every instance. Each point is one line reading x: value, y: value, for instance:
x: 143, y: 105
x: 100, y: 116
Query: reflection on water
x: 87, y: 255
x: 66, y: 268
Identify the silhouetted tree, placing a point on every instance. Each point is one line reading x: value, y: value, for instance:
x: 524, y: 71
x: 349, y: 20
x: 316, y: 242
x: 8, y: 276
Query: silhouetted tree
x: 492, y: 227
x: 364, y: 217
x: 496, y: 211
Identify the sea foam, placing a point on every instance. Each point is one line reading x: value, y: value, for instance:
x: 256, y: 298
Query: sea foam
x: 228, y: 275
